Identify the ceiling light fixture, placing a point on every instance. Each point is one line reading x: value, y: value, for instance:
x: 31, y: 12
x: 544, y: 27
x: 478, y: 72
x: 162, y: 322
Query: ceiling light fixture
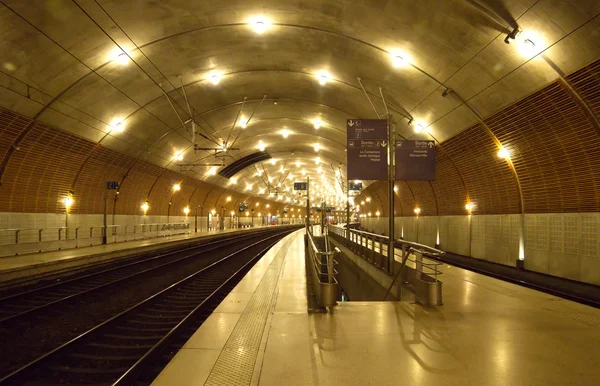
x: 317, y: 147
x: 215, y: 78
x: 176, y: 187
x: 399, y: 61
x: 261, y: 146
x: 118, y: 126
x: 419, y: 128
x: 317, y: 123
x: 285, y: 133
x: 123, y: 59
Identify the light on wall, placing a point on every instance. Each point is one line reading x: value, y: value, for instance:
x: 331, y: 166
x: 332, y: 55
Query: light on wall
x: 186, y: 210
x: 68, y: 201
x: 377, y: 213
x: 145, y: 206
x: 176, y: 187
x: 229, y: 199
x: 317, y: 123
x: 261, y: 145
x: 285, y: 133
x: 503, y: 153
x: 469, y: 207
x: 417, y: 211
x: 213, y: 212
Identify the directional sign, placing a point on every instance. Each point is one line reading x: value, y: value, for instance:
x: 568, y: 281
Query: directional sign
x: 367, y: 149
x: 355, y: 186
x: 415, y: 160
x: 300, y: 185
x: 112, y: 185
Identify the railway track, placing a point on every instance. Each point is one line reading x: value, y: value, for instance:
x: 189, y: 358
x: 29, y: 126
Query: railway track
x: 119, y: 349
x: 24, y: 304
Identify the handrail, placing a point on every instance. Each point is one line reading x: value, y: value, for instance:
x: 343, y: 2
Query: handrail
x: 322, y: 268
x: 407, y: 247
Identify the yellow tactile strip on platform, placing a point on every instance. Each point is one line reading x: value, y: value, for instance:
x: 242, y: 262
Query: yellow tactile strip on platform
x: 235, y: 364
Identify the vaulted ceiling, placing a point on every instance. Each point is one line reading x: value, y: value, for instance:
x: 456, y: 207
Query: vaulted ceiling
x: 133, y: 76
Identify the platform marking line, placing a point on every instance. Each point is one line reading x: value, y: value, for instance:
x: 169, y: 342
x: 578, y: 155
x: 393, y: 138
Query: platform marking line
x: 236, y: 362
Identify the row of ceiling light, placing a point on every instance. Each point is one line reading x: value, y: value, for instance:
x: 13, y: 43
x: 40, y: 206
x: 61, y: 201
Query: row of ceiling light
x: 526, y: 46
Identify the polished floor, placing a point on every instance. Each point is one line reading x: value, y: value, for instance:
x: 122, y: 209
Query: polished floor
x: 488, y: 332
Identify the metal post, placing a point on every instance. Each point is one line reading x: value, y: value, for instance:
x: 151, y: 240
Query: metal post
x: 391, y: 145
x: 347, y: 233
x: 196, y: 220
x: 307, y: 217
x: 104, y: 235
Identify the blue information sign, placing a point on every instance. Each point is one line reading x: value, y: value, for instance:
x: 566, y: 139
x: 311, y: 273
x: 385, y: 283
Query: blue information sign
x: 112, y: 185
x: 367, y: 149
x: 415, y: 160
x: 355, y: 186
x: 300, y: 186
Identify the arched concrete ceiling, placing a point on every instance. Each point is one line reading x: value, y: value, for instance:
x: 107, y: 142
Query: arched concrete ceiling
x: 66, y: 53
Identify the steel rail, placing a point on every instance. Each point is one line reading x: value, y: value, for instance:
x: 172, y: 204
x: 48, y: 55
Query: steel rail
x: 35, y: 364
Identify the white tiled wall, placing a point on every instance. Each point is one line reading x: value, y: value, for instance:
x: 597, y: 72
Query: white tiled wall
x: 564, y: 245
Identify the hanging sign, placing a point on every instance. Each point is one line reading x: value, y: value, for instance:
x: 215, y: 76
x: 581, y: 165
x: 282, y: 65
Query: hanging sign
x: 367, y: 147
x: 415, y: 160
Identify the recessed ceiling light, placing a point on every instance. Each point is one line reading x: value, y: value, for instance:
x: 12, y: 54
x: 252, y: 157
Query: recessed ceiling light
x: 123, y: 59
x: 260, y: 25
x: 215, y: 78
x: 285, y: 133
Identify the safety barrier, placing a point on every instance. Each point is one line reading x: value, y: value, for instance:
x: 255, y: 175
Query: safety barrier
x: 322, y: 269
x: 28, y: 240
x: 423, y: 275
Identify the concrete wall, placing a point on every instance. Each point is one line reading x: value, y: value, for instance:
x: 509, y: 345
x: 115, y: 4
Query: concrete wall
x: 86, y: 229
x: 564, y: 245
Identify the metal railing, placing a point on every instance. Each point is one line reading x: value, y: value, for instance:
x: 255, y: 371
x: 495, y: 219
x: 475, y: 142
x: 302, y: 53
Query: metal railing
x: 373, y: 248
x: 322, y: 268
x: 26, y: 240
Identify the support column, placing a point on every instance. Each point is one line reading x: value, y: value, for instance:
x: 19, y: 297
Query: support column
x: 391, y: 145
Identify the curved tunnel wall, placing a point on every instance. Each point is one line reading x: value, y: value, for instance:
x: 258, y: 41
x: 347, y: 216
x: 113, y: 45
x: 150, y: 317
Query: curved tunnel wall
x: 50, y: 162
x: 555, y: 149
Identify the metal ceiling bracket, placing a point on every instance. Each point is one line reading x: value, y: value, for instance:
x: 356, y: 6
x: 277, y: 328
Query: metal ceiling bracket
x: 367, y: 95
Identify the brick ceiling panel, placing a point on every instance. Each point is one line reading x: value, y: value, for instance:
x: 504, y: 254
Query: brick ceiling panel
x: 162, y: 192
x: 554, y: 148
x: 425, y: 197
x: 489, y: 180
x: 136, y: 187
x: 448, y: 187
x: 102, y: 166
x: 38, y: 176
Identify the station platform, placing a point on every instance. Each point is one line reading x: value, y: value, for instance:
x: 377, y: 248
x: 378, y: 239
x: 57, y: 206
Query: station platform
x: 30, y: 266
x: 487, y: 332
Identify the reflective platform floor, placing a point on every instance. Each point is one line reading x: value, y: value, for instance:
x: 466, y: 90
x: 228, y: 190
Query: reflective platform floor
x: 488, y: 332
